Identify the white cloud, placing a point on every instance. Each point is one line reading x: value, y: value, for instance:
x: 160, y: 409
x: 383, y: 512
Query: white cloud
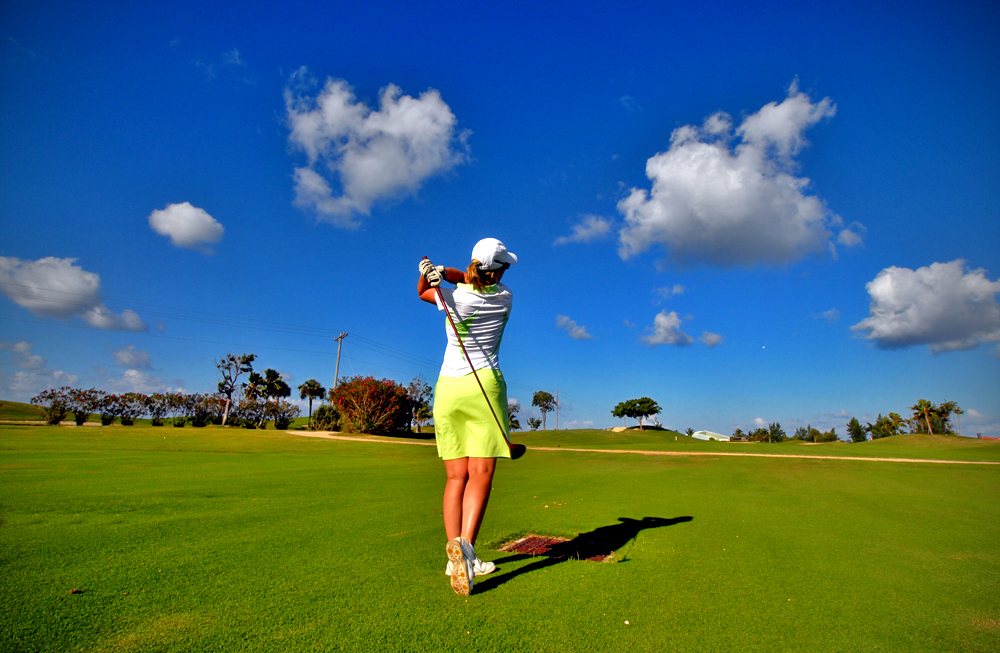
x: 187, y: 226
x: 711, y: 339
x: 232, y: 58
x: 628, y: 102
x: 25, y: 384
x: 55, y: 287
x: 32, y: 375
x: 575, y: 330
x: 371, y: 155
x: 23, y: 357
x: 207, y: 67
x: 760, y: 422
x: 941, y: 305
x: 50, y: 286
x: 129, y: 357
x: 139, y: 381
x: 101, y: 317
x: 831, y: 315
x: 716, y: 203
x: 853, y: 235
x: 628, y: 323
x: 666, y: 331
x: 589, y: 229
x: 976, y: 422
x: 667, y: 292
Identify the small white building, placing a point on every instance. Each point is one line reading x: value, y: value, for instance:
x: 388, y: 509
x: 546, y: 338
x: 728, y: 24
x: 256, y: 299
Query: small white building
x: 708, y: 435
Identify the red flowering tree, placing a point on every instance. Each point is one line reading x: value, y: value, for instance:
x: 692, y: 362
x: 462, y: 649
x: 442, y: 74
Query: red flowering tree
x: 82, y: 403
x: 54, y: 403
x: 370, y: 405
x: 131, y: 406
x: 157, y: 407
x: 109, y: 407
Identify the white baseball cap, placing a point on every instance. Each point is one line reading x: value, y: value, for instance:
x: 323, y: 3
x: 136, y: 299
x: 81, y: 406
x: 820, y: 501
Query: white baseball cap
x: 492, y: 254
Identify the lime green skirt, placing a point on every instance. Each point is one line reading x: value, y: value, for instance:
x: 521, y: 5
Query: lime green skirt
x: 463, y: 424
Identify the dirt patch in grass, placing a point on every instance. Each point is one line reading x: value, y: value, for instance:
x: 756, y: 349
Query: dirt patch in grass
x: 986, y: 624
x: 156, y: 633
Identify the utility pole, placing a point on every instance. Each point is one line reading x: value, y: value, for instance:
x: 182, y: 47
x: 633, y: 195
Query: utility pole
x: 557, y: 411
x: 340, y: 343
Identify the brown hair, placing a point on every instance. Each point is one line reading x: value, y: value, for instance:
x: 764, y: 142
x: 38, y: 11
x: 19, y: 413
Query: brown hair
x: 482, y: 278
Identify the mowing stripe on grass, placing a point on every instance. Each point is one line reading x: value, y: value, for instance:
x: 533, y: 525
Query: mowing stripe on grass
x: 330, y: 436
x: 771, y: 455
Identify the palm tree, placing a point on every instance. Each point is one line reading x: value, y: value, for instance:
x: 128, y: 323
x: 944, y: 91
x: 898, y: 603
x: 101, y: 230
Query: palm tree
x: 310, y: 390
x: 924, y: 408
x: 274, y: 386
x: 252, y: 388
x: 421, y: 415
x: 513, y: 408
x: 944, y: 413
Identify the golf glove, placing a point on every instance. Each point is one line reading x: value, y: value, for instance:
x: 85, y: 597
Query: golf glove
x: 433, y: 274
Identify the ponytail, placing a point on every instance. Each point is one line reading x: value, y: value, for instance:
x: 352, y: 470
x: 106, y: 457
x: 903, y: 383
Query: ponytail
x: 480, y: 279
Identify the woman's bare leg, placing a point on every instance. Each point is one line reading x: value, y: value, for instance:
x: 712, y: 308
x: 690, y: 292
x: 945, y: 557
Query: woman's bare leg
x: 454, y: 495
x: 477, y: 495
x: 466, y: 493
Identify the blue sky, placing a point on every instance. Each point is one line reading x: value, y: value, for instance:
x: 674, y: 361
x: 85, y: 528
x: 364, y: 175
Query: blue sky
x: 747, y: 211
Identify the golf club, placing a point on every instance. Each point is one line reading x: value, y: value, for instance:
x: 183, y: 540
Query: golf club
x: 516, y: 450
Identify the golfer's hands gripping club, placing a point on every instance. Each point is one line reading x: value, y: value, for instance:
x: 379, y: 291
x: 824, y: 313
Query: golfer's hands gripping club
x: 434, y: 274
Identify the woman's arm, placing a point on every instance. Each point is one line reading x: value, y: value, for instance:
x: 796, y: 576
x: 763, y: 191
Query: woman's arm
x: 427, y: 293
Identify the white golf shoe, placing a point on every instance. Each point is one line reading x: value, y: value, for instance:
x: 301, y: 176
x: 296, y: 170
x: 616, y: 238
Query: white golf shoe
x: 481, y: 568
x: 462, y: 567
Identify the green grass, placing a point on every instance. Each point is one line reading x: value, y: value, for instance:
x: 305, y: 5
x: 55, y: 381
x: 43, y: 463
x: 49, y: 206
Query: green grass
x: 937, y: 447
x: 233, y: 540
x: 16, y: 411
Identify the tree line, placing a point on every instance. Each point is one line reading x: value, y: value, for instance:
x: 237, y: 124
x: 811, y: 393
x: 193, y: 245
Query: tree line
x: 250, y: 399
x: 176, y: 408
x: 927, y: 418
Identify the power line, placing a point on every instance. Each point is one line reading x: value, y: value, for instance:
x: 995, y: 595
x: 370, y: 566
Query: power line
x: 202, y: 317
x: 211, y: 342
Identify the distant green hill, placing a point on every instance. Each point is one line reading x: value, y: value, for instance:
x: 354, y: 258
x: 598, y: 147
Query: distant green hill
x: 14, y: 410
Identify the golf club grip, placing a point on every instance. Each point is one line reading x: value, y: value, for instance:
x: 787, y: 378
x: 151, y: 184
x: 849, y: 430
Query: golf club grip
x: 471, y: 366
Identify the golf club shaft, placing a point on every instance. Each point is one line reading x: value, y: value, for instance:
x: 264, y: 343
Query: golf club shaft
x: 440, y: 295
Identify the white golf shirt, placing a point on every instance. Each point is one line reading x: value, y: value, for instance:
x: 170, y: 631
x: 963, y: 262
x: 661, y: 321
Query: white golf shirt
x: 480, y: 317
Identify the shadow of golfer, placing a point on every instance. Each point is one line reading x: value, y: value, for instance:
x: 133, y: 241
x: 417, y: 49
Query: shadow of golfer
x: 597, y: 543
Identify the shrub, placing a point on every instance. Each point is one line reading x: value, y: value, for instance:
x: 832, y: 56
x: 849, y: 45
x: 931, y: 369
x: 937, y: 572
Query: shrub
x: 178, y: 405
x: 157, y: 406
x: 131, y: 406
x: 208, y: 409
x: 283, y: 414
x: 54, y: 404
x: 200, y: 410
x: 829, y: 436
x: 179, y: 421
x: 369, y: 405
x: 326, y: 418
x: 82, y: 403
x: 248, y: 413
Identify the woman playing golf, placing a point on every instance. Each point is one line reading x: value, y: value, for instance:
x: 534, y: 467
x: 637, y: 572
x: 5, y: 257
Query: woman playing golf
x: 470, y: 398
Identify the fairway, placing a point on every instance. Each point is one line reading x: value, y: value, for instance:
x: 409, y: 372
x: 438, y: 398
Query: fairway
x: 233, y: 540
